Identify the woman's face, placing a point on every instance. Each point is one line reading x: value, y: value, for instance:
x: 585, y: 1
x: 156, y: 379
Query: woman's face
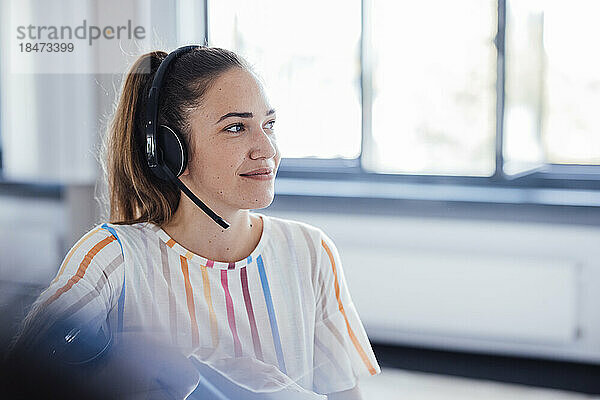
x: 232, y: 133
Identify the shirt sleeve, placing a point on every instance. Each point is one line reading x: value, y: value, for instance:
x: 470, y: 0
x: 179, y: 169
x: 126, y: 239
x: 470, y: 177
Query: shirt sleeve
x: 83, y: 292
x: 343, y: 352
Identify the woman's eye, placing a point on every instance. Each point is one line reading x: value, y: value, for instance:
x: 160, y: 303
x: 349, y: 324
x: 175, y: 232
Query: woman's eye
x: 240, y: 126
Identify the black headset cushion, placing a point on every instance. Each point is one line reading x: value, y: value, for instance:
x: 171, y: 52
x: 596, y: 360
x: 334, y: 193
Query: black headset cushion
x: 172, y: 151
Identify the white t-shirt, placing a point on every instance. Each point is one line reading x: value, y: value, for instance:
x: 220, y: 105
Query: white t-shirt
x: 287, y: 304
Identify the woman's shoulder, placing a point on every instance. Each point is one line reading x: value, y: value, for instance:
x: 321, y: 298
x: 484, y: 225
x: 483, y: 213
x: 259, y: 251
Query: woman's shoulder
x: 132, y: 238
x: 106, y: 239
x: 128, y: 231
x: 95, y: 251
x: 94, y: 240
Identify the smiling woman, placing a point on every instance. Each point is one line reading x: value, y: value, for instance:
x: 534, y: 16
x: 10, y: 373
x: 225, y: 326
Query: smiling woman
x: 265, y: 302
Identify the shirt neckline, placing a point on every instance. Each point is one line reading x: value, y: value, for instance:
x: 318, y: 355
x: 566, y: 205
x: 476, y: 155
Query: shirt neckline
x: 196, y: 258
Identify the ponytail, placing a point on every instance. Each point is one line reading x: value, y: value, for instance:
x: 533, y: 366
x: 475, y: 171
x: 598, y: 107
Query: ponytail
x: 134, y: 193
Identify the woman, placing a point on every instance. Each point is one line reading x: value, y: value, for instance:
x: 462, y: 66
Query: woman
x: 264, y: 291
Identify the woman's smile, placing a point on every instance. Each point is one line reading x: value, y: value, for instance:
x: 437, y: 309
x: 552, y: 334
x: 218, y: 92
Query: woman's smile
x: 260, y: 177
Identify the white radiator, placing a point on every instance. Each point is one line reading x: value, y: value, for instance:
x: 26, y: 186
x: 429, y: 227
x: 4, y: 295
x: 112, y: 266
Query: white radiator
x: 490, y: 286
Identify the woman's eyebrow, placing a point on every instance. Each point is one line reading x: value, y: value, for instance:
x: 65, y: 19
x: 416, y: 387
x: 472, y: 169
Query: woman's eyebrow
x: 243, y: 115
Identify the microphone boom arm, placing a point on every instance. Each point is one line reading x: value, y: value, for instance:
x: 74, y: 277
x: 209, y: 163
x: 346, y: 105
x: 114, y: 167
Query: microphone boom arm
x: 195, y: 199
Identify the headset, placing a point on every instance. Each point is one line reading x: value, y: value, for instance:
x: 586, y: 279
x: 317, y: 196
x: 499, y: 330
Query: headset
x: 166, y: 152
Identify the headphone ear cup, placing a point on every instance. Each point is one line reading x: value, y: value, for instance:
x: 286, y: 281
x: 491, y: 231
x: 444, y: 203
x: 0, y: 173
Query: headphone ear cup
x: 174, y: 151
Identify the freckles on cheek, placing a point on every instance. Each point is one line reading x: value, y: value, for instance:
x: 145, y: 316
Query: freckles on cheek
x: 216, y: 179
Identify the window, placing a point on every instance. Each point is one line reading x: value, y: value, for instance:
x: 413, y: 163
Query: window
x: 310, y: 62
x: 480, y: 93
x: 433, y: 87
x: 552, y: 84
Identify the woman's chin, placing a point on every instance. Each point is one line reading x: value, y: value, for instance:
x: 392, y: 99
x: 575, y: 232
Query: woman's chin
x: 258, y: 202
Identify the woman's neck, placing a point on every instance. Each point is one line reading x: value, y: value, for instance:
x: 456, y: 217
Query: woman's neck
x: 197, y: 232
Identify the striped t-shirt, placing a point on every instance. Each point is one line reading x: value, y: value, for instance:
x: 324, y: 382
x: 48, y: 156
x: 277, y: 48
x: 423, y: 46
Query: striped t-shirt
x: 287, y: 304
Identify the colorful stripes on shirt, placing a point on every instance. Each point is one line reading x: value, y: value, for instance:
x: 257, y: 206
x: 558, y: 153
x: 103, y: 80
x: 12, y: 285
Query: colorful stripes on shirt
x: 231, y: 314
x: 250, y: 311
x: 72, y: 251
x: 355, y: 341
x: 81, y: 270
x: 271, y: 311
x: 189, y: 295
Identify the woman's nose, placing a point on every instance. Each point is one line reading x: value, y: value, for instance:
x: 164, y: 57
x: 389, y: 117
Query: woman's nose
x: 264, y: 145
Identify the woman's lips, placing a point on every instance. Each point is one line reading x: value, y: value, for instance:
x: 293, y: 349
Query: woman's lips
x: 259, y: 177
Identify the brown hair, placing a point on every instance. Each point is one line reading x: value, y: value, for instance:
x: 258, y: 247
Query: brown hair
x: 135, y: 194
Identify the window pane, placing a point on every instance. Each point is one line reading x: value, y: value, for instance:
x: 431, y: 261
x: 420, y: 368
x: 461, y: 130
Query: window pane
x: 434, y: 95
x: 552, y: 83
x: 308, y: 54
